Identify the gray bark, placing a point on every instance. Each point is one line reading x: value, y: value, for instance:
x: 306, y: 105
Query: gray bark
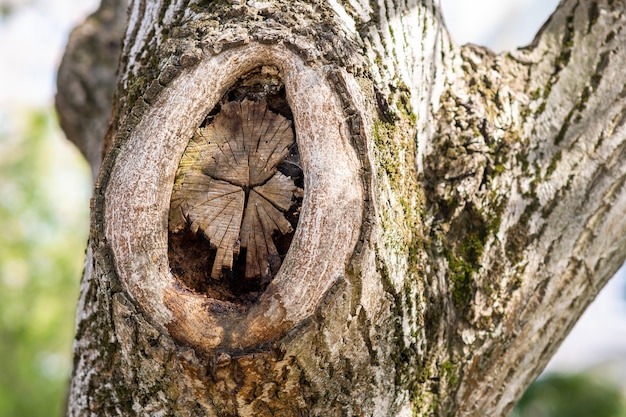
x: 461, y: 209
x: 87, y: 78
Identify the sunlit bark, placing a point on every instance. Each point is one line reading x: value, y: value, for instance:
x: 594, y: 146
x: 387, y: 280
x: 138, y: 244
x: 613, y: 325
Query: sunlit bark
x: 459, y: 211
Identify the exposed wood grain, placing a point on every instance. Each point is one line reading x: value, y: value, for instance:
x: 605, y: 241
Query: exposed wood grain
x: 279, y: 190
x: 229, y: 164
x: 383, y: 306
x: 261, y: 220
x: 202, y: 329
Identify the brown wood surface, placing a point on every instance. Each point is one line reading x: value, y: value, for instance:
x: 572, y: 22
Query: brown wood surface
x: 228, y: 188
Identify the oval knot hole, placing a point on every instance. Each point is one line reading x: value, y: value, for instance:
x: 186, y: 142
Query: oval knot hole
x: 235, y: 202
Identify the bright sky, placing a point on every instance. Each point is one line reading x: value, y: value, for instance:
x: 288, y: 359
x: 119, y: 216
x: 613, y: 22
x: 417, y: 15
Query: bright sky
x: 32, y: 42
x: 501, y: 25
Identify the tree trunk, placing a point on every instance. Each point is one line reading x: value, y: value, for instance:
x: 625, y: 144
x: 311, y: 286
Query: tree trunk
x: 418, y: 240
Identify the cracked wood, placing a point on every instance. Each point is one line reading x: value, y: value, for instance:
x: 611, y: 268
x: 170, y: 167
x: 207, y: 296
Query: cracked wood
x: 228, y: 187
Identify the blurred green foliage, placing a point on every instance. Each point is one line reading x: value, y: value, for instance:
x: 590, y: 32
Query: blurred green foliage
x: 577, y: 395
x: 44, y: 191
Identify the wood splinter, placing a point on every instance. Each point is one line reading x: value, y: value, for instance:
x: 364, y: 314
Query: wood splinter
x: 229, y: 188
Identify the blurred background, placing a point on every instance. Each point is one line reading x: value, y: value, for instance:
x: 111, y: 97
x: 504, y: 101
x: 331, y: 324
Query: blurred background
x: 44, y: 210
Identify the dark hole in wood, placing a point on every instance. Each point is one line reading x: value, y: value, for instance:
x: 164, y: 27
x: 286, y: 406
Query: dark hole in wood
x: 192, y: 256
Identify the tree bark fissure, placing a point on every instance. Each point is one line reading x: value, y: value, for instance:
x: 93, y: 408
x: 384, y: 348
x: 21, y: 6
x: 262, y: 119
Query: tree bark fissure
x: 460, y: 210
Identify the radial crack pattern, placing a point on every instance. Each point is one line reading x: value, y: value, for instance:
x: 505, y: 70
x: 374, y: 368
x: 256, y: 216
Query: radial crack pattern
x: 228, y: 187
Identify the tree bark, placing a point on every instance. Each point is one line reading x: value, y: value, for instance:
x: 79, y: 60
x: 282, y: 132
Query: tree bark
x: 459, y: 211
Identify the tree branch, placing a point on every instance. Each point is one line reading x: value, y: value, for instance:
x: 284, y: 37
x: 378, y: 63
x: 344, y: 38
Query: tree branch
x: 527, y: 197
x: 87, y: 79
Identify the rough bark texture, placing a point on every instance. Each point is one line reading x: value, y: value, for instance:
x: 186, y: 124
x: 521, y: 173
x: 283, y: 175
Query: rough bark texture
x: 460, y: 211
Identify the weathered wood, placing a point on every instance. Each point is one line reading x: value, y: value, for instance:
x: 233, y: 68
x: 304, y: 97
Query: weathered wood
x: 260, y: 222
x: 86, y: 79
x: 432, y: 272
x: 230, y: 164
x: 138, y: 201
